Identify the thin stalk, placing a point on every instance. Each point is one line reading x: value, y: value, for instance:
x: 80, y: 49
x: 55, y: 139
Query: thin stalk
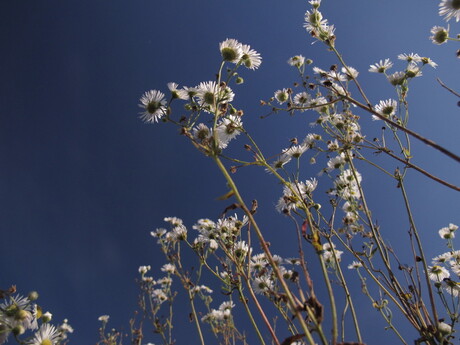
x: 350, y: 301
x: 248, y: 311
x: 292, y: 304
x: 195, y: 317
x: 422, y: 254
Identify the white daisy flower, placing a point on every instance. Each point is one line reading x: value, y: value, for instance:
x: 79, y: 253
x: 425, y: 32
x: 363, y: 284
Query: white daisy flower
x: 250, y: 58
x: 297, y: 60
x: 144, y: 269
x: 437, y: 273
x: 46, y: 335
x: 210, y: 95
x: 453, y: 227
x: 310, y: 139
x: 240, y: 249
x: 412, y: 57
x: 302, y: 99
x: 281, y: 161
x: 355, y: 265
x: 103, y: 318
x: 336, y: 162
x: 174, y: 221
x: 227, y: 129
x: 387, y: 108
x: 258, y: 262
x: 413, y: 70
x: 227, y: 305
x: 177, y: 93
x: 381, y: 66
x: 231, y: 50
x: 439, y: 34
x: 346, y: 186
x: 440, y: 259
x: 397, y: 78
x: 159, y: 296
x: 153, y: 103
x: 450, y: 9
x: 350, y: 72
x: 201, y: 133
x: 168, y: 268
x: 452, y: 287
x: 428, y: 61
x: 295, y: 151
x: 446, y: 233
x: 158, y: 232
x: 262, y: 284
x: 314, y: 20
x: 281, y: 96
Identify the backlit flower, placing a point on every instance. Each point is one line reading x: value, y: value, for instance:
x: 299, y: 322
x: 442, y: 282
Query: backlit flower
x: 231, y: 50
x: 250, y: 58
x: 153, y: 103
x: 450, y: 9
x: 437, y: 273
x: 439, y: 35
x: 386, y: 108
x: 46, y: 335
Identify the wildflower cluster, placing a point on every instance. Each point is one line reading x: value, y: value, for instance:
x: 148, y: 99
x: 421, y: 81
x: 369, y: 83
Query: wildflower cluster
x: 449, y: 9
x: 22, y: 318
x: 339, y: 226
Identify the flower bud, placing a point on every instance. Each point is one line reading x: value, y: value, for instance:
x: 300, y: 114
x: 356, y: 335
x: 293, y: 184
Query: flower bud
x: 33, y: 296
x: 46, y: 317
x: 18, y: 330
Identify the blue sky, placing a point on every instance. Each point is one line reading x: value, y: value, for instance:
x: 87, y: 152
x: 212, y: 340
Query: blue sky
x: 83, y: 181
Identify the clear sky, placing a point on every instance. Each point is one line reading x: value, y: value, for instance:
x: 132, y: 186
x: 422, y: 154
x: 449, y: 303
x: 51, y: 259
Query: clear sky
x: 83, y: 181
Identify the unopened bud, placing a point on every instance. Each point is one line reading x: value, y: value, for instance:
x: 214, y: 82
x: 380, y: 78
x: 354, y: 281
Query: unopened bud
x: 18, y: 330
x: 33, y: 296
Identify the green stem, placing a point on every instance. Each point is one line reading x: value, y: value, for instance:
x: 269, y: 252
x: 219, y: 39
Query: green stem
x: 195, y: 317
x: 421, y: 252
x: 248, y: 311
x: 293, y: 306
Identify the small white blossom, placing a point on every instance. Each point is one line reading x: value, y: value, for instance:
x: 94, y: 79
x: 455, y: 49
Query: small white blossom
x: 381, y: 66
x: 355, y: 265
x: 153, y: 103
x: 437, y: 273
x: 168, y: 268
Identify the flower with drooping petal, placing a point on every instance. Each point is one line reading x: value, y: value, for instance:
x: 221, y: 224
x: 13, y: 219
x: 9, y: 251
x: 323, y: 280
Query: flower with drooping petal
x: 153, y: 103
